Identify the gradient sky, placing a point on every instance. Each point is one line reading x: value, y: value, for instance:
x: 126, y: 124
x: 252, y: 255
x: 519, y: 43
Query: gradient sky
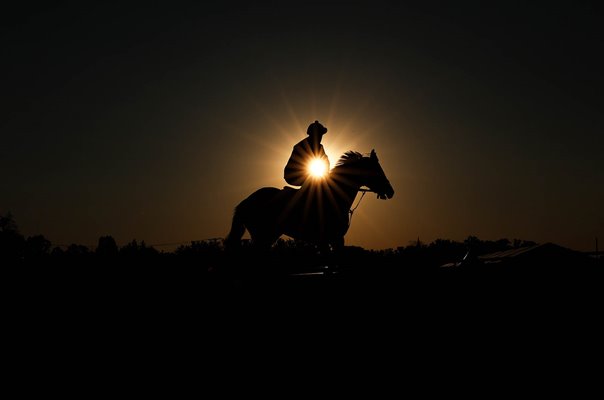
x: 153, y: 123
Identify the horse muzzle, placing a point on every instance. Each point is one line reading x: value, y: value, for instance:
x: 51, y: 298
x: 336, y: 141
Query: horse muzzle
x: 387, y: 194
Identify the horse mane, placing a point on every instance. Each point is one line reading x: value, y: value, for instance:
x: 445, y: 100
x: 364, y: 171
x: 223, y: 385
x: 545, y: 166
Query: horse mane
x: 349, y: 157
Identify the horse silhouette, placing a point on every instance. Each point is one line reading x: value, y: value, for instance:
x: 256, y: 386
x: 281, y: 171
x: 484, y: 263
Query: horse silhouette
x: 319, y: 212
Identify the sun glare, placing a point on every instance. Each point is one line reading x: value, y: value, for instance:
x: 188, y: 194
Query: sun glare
x: 317, y: 168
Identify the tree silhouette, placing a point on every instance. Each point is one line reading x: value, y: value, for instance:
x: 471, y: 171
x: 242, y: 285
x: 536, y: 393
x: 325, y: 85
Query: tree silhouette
x: 7, y: 223
x: 37, y: 247
x: 136, y: 250
x: 77, y: 250
x: 107, y: 248
x: 12, y: 243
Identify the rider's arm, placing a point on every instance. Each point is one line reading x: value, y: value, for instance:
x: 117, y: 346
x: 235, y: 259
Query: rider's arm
x: 324, y: 157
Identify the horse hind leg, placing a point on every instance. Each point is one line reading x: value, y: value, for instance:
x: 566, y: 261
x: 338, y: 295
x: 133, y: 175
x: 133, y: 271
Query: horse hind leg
x: 337, y: 245
x: 334, y: 256
x: 263, y: 241
x: 233, y: 239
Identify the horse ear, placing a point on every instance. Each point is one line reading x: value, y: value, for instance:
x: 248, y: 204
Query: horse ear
x: 373, y: 155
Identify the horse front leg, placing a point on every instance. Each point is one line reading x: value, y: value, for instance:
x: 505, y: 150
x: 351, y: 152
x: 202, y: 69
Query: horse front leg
x: 333, y: 256
x: 337, y: 245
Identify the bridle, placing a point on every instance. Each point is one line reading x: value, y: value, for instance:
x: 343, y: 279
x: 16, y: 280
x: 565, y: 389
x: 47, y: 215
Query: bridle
x: 352, y: 210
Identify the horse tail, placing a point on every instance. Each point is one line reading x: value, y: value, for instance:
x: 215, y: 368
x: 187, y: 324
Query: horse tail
x: 233, y: 239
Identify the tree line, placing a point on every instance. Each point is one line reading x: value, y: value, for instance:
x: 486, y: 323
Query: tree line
x: 16, y: 248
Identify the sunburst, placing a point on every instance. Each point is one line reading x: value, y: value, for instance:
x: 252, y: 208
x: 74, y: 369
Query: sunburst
x: 317, y: 168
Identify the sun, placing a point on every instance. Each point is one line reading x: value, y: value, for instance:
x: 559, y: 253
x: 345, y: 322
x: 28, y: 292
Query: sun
x: 317, y: 168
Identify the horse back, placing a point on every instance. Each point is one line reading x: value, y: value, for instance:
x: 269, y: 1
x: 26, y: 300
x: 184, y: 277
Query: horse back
x: 267, y: 196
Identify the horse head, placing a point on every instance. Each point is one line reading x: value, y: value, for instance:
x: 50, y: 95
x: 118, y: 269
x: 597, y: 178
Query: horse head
x: 376, y: 178
x: 354, y: 169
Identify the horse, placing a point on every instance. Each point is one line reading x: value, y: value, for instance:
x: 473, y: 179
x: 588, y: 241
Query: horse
x: 318, y: 213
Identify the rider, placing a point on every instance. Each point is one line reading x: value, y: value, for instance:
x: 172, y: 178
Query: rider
x: 296, y: 172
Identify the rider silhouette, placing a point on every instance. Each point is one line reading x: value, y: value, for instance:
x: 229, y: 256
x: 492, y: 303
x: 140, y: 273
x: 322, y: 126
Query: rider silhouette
x: 296, y: 171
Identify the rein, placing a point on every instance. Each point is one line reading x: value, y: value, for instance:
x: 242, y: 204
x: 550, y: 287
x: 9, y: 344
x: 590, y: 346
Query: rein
x: 351, y: 211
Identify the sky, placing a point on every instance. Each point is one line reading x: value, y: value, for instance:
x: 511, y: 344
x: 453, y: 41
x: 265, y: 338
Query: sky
x: 152, y: 123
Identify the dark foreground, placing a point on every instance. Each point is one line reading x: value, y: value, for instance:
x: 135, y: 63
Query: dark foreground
x: 132, y: 308
x: 186, y: 291
x: 185, y: 287
x: 145, y: 312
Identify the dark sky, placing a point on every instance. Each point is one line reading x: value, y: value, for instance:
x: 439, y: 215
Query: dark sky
x: 152, y: 123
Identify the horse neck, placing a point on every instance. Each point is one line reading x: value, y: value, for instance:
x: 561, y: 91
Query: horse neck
x: 348, y: 184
